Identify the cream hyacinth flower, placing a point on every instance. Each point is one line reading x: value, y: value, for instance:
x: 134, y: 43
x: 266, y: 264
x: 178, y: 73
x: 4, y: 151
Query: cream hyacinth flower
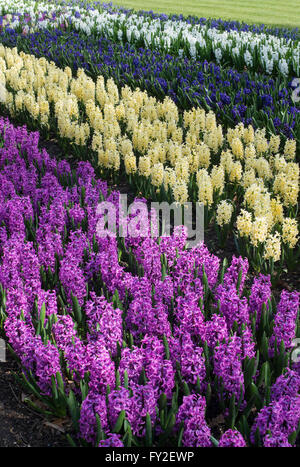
x: 290, y: 232
x: 244, y: 223
x: 259, y: 230
x: 224, y: 213
x: 272, y: 249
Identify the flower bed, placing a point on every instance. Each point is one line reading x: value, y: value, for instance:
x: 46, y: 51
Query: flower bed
x: 52, y: 14
x: 136, y: 339
x: 234, y: 97
x: 167, y: 156
x: 269, y: 53
x: 141, y: 342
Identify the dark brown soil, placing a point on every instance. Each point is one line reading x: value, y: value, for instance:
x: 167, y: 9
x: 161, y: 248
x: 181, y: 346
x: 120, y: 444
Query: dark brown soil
x: 19, y: 425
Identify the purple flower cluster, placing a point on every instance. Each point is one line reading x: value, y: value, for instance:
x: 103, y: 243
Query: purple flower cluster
x: 192, y: 414
x: 285, y: 319
x: 260, y: 294
x: 232, y: 439
x: 228, y: 366
x: 277, y: 421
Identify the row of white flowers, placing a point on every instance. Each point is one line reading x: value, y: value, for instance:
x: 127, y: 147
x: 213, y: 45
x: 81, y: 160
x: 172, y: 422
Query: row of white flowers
x: 255, y: 51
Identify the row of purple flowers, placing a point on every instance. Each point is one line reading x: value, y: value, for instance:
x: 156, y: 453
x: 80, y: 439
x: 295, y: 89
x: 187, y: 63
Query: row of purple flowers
x: 140, y: 340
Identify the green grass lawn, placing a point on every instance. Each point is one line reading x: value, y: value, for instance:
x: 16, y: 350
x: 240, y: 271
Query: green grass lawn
x: 271, y: 12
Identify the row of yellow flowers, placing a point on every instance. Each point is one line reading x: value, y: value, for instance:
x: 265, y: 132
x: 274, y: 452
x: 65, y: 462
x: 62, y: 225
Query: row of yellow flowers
x: 244, y: 180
